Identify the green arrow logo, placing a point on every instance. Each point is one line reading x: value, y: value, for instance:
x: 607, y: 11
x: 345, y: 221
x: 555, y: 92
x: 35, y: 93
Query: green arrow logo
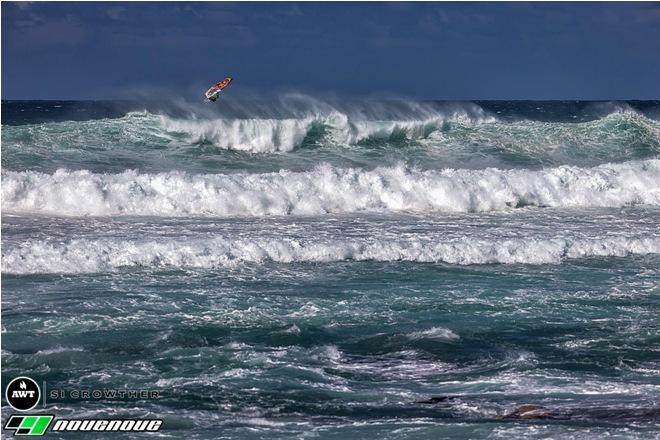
x: 29, y: 425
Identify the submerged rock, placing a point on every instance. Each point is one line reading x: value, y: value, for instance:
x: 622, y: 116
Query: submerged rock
x: 436, y: 399
x: 526, y: 412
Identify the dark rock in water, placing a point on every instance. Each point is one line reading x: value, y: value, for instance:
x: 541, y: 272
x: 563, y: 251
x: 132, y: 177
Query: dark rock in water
x: 436, y: 399
x: 527, y: 412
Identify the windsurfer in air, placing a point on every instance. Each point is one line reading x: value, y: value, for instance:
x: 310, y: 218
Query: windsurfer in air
x: 213, y: 93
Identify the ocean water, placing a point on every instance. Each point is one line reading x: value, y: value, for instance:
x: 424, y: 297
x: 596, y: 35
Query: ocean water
x: 305, y: 268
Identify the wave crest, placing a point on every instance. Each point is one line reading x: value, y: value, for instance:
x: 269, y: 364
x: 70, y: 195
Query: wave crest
x: 328, y: 189
x: 273, y: 135
x: 449, y: 137
x: 88, y: 256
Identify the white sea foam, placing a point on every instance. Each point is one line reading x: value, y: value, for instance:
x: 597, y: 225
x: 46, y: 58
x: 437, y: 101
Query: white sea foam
x: 59, y: 349
x: 327, y: 189
x: 439, y: 333
x: 100, y: 255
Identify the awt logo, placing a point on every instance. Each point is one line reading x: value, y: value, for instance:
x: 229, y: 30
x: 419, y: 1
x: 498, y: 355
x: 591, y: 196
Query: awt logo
x: 23, y: 394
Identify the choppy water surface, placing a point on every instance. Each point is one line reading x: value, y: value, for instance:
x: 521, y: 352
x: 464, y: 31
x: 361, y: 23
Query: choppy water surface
x: 306, y: 268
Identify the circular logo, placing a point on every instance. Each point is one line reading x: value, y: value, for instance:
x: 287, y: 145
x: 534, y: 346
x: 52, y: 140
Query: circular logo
x: 23, y: 394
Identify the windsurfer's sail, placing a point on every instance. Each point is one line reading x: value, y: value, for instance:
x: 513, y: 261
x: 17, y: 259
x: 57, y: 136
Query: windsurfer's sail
x: 212, y: 93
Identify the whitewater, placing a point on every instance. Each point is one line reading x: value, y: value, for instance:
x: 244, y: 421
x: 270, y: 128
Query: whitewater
x: 327, y: 189
x: 353, y: 268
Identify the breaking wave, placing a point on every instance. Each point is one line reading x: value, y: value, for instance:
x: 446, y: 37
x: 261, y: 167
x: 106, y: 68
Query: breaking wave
x: 272, y: 135
x: 328, y: 189
x: 255, y: 128
x: 462, y: 131
x: 88, y: 256
x: 470, y: 131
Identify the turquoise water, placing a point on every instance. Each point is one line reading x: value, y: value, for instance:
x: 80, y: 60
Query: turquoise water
x: 278, y: 280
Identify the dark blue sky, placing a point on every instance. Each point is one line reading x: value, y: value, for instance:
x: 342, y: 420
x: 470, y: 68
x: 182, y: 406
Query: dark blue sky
x: 422, y: 50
